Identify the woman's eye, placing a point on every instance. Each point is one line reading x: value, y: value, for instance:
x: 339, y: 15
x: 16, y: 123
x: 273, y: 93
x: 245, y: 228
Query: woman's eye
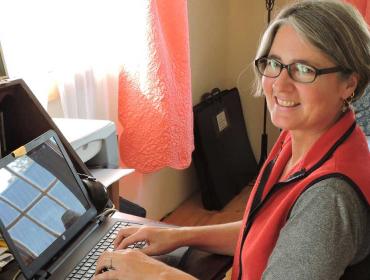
x: 304, y: 69
x: 273, y: 64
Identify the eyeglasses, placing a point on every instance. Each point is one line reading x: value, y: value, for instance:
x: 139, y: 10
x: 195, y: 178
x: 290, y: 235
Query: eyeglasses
x: 299, y: 72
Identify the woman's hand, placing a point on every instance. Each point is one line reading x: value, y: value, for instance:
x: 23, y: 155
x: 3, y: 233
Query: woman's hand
x: 160, y: 240
x: 133, y: 264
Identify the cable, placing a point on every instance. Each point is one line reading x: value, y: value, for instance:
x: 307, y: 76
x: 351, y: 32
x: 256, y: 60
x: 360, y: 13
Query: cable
x: 107, y: 212
x: 242, y: 72
x: 17, y: 274
x: 269, y: 7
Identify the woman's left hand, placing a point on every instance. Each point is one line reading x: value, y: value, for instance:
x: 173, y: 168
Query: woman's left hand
x: 133, y: 264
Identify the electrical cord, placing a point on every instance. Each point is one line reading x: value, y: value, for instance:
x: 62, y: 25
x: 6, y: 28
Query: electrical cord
x: 108, y: 212
x: 241, y: 73
x: 16, y: 274
x: 269, y: 7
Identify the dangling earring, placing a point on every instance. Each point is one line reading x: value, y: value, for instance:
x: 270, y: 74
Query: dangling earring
x: 347, y: 102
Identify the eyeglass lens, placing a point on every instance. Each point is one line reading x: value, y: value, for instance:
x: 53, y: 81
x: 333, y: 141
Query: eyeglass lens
x: 297, y: 71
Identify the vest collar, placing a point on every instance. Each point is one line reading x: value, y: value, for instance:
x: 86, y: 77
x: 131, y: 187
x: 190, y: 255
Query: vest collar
x: 321, y: 149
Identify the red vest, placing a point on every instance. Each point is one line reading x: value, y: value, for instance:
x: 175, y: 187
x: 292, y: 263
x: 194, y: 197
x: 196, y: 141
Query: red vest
x: 342, y: 152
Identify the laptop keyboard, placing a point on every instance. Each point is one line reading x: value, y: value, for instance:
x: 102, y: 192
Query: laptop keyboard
x: 86, y: 268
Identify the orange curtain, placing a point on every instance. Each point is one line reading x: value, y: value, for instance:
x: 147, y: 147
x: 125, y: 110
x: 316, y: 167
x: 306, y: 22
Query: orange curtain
x: 363, y: 6
x: 155, y: 102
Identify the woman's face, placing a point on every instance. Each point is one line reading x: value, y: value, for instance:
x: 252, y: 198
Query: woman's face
x: 312, y: 107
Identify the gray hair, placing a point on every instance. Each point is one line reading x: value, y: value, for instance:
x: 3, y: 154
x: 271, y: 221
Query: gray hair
x: 334, y: 27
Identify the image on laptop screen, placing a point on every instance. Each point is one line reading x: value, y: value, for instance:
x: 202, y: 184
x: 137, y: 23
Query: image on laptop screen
x: 40, y: 200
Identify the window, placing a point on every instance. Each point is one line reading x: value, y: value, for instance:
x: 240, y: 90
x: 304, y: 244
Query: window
x: 362, y: 109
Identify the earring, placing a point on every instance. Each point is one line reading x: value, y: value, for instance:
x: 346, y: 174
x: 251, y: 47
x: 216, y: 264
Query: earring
x: 347, y: 102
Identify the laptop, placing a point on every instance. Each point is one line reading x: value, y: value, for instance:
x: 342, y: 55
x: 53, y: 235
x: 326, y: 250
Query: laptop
x: 46, y: 217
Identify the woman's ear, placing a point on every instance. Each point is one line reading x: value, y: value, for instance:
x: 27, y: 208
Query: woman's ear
x: 350, y: 85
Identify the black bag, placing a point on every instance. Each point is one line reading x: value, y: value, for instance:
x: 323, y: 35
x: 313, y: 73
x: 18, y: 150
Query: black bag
x: 223, y: 157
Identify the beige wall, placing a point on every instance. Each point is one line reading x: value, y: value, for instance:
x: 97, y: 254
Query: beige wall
x: 159, y: 192
x: 208, y: 27
x: 224, y: 35
x: 247, y: 21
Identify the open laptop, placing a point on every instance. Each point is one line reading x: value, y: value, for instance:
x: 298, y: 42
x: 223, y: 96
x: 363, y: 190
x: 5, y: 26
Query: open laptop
x: 46, y: 217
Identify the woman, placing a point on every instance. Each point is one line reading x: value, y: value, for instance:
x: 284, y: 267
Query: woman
x: 308, y: 214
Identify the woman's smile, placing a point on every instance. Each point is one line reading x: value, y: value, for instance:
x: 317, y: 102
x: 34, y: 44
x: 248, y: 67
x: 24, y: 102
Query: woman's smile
x: 286, y: 103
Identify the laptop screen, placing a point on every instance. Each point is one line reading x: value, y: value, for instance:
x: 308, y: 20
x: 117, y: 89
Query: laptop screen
x: 41, y: 200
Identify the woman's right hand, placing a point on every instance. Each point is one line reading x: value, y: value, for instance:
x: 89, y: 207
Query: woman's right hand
x: 160, y: 240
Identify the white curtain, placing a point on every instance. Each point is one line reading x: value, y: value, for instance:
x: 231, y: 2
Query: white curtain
x: 79, y: 45
x: 88, y: 95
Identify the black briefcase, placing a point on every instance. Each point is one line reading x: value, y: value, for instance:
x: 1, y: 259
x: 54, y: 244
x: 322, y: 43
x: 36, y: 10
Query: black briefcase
x: 223, y: 157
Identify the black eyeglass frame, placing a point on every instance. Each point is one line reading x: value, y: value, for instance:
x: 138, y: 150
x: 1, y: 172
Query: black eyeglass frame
x: 318, y: 71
